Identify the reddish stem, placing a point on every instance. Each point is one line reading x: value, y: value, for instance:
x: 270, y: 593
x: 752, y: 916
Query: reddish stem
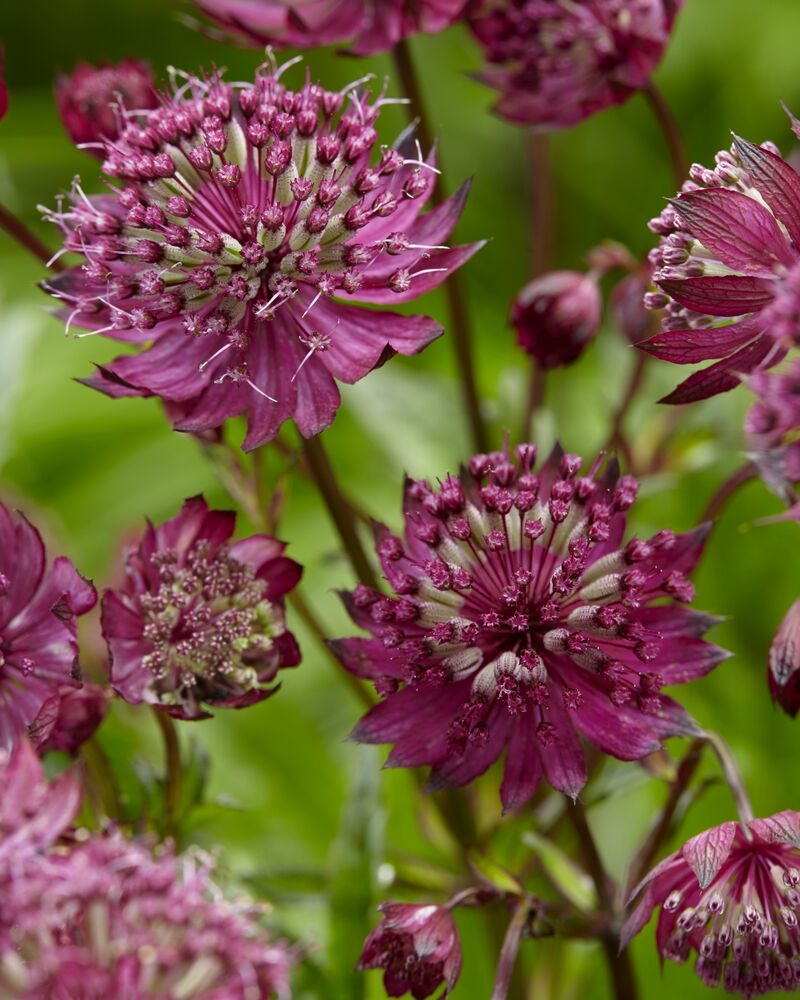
x: 731, y: 485
x: 670, y: 130
x: 18, y: 231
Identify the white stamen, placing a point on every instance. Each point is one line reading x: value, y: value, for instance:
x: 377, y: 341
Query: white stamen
x: 216, y: 354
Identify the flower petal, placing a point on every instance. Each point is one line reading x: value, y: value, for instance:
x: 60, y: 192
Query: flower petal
x: 708, y: 851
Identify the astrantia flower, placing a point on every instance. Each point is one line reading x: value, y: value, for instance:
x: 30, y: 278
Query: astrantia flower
x: 69, y: 718
x: 771, y: 426
x: 241, y: 219
x: 365, y: 26
x: 728, y: 266
x: 784, y: 662
x: 111, y: 918
x: 557, y: 62
x: 733, y: 898
x: 522, y: 620
x: 557, y: 315
x: 418, y: 948
x: 626, y: 305
x: 199, y: 620
x: 90, y: 100
x: 38, y: 626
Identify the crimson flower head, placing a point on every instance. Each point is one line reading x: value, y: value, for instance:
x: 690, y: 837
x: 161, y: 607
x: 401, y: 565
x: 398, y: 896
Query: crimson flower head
x: 732, y: 897
x: 110, y: 917
x: 365, y: 26
x: 69, y: 718
x: 556, y: 62
x: 784, y: 662
x: 556, y: 316
x: 728, y: 269
x: 242, y: 220
x: 521, y: 620
x: 626, y: 304
x: 418, y: 948
x: 39, y: 608
x: 199, y: 620
x: 91, y: 99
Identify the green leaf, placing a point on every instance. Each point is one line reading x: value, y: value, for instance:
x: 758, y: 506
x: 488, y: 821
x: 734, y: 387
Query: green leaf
x: 562, y: 871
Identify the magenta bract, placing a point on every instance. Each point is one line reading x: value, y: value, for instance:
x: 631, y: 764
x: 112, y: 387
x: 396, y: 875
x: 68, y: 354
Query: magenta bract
x: 39, y: 607
x: 521, y: 621
x: 556, y: 63
x: 69, y: 717
x: 364, y: 26
x: 199, y: 621
x: 784, y: 662
x: 728, y: 266
x: 556, y: 316
x: 732, y: 899
x: 242, y: 220
x: 91, y: 100
x: 418, y: 948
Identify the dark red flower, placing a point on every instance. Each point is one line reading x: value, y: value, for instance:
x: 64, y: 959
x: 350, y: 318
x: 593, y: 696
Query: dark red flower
x: 732, y: 897
x: 728, y: 267
x: 199, y: 621
x: 522, y: 621
x: 69, y: 718
x: 94, y: 101
x: 365, y: 26
x: 418, y: 948
x: 557, y: 315
x: 784, y: 662
x: 242, y: 220
x: 556, y: 63
x: 39, y: 608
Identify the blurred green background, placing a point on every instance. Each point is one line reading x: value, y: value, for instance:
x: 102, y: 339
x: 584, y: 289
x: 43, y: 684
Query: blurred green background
x: 305, y: 817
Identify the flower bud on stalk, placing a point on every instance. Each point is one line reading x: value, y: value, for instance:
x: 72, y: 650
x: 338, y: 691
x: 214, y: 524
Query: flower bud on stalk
x: 557, y: 315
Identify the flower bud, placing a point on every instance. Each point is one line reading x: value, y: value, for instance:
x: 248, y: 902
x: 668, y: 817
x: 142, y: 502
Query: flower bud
x: 87, y: 99
x: 627, y: 306
x: 784, y: 662
x: 556, y: 316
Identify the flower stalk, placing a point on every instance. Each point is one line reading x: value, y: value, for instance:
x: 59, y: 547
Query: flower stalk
x: 509, y: 951
x: 19, y: 232
x: 173, y: 779
x: 733, y: 777
x: 670, y: 130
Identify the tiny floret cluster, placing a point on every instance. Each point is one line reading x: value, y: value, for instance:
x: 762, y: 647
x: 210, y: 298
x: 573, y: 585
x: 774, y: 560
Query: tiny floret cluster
x: 199, y: 620
x: 556, y: 62
x: 240, y: 221
x: 730, y: 897
x: 520, y: 620
x: 728, y: 269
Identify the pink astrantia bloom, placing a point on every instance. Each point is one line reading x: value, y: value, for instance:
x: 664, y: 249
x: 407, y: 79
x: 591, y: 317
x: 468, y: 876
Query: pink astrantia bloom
x: 111, y: 918
x: 242, y: 218
x: 199, y: 619
x: 33, y: 814
x: 556, y: 62
x: 771, y: 427
x: 69, y: 718
x: 728, y: 269
x: 784, y: 662
x: 733, y: 898
x: 418, y: 948
x: 91, y: 99
x: 39, y: 607
x: 365, y: 26
x: 556, y: 316
x: 521, y: 621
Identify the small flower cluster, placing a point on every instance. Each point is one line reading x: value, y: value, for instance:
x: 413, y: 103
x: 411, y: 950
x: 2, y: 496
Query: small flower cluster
x: 521, y: 620
x: 556, y: 63
x: 238, y: 216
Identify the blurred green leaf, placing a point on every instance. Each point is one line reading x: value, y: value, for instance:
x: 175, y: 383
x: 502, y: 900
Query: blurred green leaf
x: 562, y: 871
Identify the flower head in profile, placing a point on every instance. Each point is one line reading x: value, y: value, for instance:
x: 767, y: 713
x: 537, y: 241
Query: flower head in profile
x: 242, y: 220
x: 91, y: 98
x: 731, y: 897
x: 556, y: 316
x: 110, y: 917
x: 39, y: 608
x: 728, y: 269
x: 69, y: 718
x: 556, y: 62
x: 199, y: 620
x: 364, y: 26
x: 521, y: 620
x: 784, y: 662
x: 418, y: 948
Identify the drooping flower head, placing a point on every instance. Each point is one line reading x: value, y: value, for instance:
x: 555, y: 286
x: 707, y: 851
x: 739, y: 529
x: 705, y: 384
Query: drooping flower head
x: 521, y: 619
x: 39, y: 607
x: 199, y: 620
x: 111, y: 918
x: 732, y: 898
x: 91, y: 98
x: 556, y: 62
x: 69, y: 718
x: 557, y: 315
x: 418, y: 948
x: 783, y: 672
x: 365, y: 26
x: 728, y: 269
x: 241, y: 220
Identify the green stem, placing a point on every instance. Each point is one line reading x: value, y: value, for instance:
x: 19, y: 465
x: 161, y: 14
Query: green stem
x: 616, y: 437
x: 101, y: 776
x: 173, y: 769
x: 339, y: 510
x: 733, y: 777
x: 18, y: 231
x: 460, y: 327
